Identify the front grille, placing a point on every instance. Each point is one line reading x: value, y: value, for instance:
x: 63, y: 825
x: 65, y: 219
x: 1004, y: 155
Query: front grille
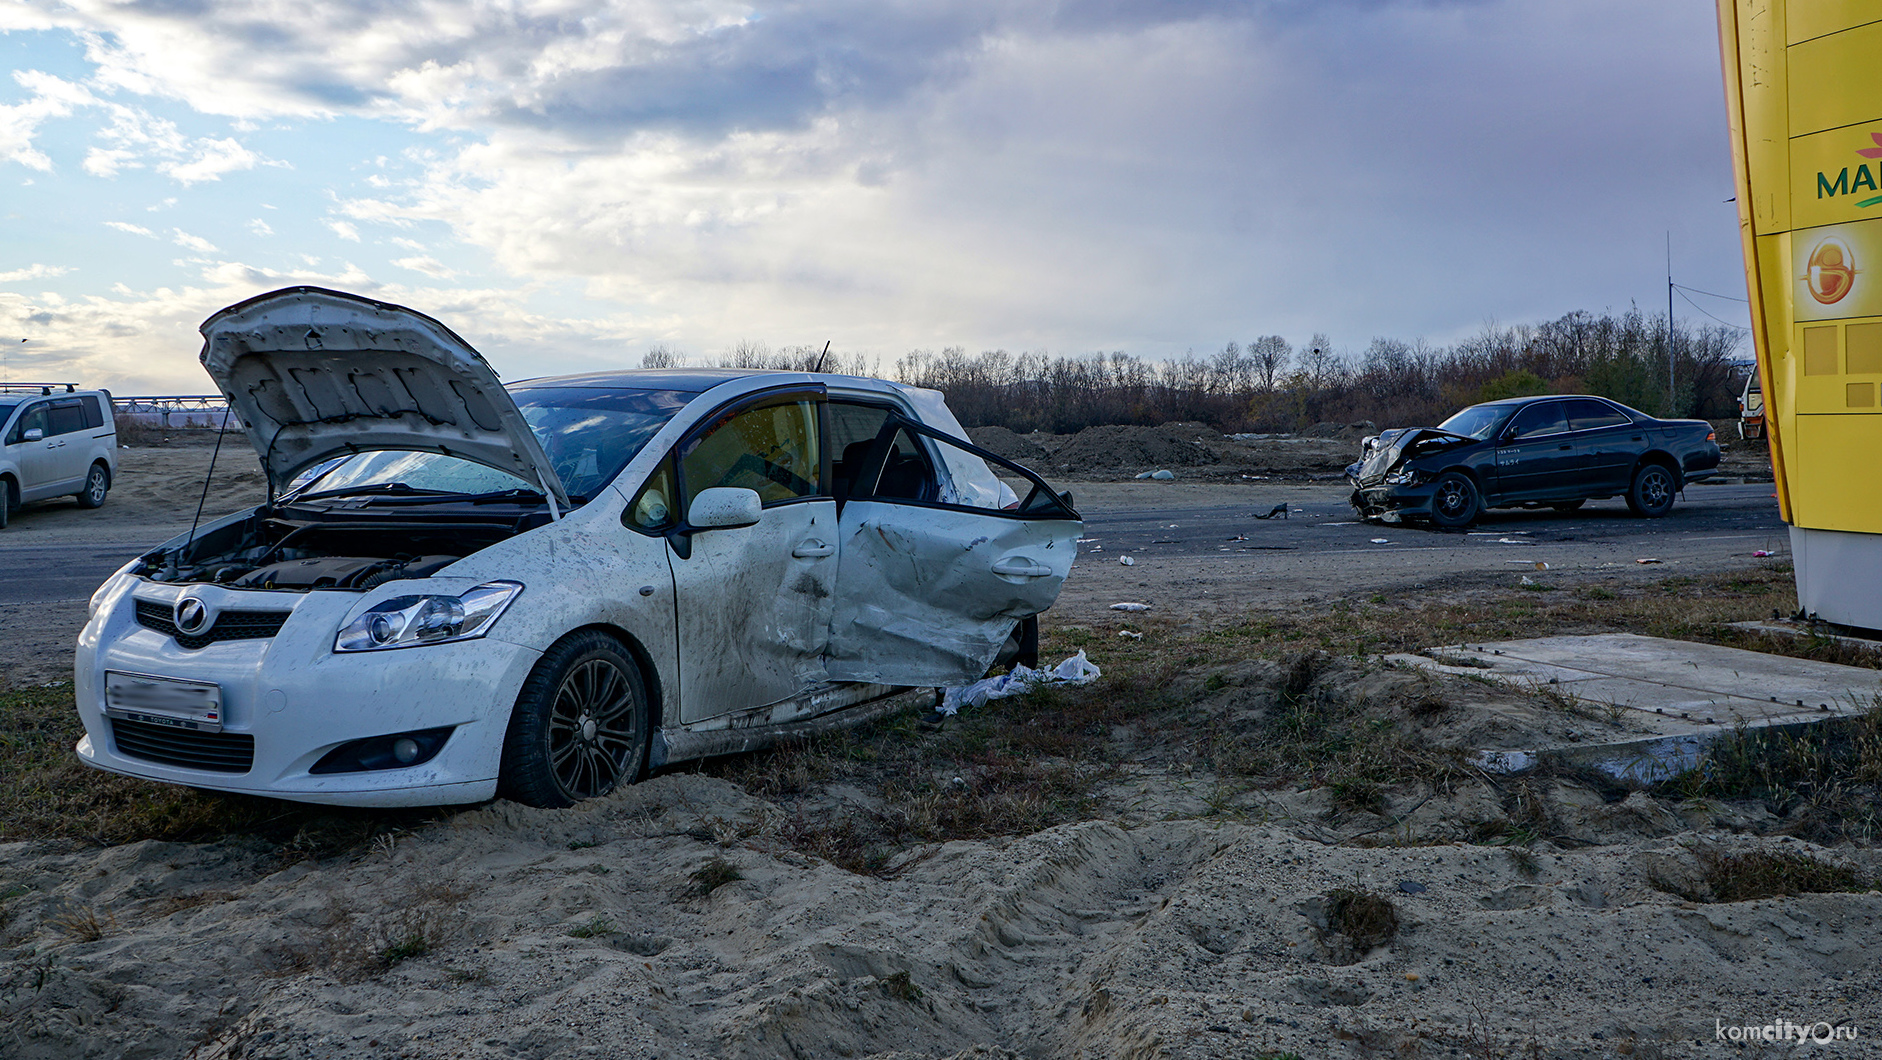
x: 217, y: 752
x: 229, y: 625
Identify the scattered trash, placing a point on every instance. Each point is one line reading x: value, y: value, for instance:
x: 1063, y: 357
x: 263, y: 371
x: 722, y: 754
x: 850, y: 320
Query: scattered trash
x: 1095, y: 548
x: 1411, y: 887
x: 1527, y: 580
x: 1127, y: 561
x: 1130, y: 607
x: 1538, y: 564
x: 1381, y: 541
x: 1132, y: 634
x: 1076, y: 670
x: 1163, y: 476
x: 1279, y: 509
x: 1239, y: 537
x: 1763, y: 552
x: 1542, y: 565
x: 1646, y: 561
x: 1510, y: 541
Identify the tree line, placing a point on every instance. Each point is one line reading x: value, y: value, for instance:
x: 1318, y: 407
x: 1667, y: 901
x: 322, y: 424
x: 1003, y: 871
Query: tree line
x: 1272, y: 385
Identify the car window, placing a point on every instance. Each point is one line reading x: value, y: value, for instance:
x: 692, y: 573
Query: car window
x: 1534, y: 421
x: 1585, y: 414
x: 771, y: 448
x: 66, y: 417
x: 852, y: 432
x: 652, y: 508
x: 34, y: 416
x: 94, y: 411
x: 907, y: 472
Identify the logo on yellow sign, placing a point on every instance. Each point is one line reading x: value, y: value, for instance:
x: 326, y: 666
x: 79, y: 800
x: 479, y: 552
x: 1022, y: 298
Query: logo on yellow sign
x: 1846, y: 184
x: 1832, y: 270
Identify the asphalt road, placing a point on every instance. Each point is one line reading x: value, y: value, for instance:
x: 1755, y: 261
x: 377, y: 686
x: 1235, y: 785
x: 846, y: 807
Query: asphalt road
x: 1709, y: 521
x: 1321, y: 545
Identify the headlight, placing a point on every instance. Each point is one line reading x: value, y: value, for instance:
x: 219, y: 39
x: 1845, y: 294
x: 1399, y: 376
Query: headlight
x: 1404, y: 476
x: 409, y: 621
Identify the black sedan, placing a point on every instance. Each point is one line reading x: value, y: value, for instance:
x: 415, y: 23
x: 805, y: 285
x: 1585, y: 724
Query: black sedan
x: 1555, y: 451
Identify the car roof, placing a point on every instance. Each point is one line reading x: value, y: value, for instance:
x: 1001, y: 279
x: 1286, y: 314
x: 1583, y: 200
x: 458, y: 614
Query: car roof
x: 692, y: 380
x: 1532, y: 398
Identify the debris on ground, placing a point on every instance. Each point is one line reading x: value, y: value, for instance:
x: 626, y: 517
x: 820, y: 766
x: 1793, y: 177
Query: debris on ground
x: 1129, y: 606
x: 1279, y: 509
x: 1076, y: 670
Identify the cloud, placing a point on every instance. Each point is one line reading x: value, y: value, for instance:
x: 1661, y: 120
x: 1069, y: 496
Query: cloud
x: 136, y: 230
x: 344, y: 230
x: 190, y: 242
x: 431, y: 267
x: 34, y: 272
x: 48, y: 97
x: 212, y: 158
x: 260, y: 227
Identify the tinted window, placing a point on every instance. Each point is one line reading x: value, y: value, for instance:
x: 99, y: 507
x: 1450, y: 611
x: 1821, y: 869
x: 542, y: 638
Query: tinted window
x: 852, y: 431
x: 772, y: 449
x: 94, y: 411
x: 66, y: 417
x: 1477, y: 421
x: 1532, y: 421
x: 1586, y: 414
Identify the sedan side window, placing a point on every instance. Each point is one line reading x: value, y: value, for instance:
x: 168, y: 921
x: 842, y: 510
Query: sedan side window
x: 773, y: 449
x: 1534, y: 421
x: 1585, y: 414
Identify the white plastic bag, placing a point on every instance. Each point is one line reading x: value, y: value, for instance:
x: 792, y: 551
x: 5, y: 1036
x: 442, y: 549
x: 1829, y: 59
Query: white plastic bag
x: 1076, y: 670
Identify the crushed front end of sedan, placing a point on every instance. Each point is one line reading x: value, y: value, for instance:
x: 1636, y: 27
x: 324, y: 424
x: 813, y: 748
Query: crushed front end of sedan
x: 458, y: 589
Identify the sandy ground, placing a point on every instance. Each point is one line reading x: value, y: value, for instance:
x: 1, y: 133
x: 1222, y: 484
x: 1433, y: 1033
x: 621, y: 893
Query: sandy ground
x: 1183, y: 923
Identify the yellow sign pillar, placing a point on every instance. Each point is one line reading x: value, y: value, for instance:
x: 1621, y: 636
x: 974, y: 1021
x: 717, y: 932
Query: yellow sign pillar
x: 1803, y: 89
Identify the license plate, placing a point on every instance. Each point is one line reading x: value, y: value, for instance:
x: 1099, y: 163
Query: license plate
x: 193, y: 705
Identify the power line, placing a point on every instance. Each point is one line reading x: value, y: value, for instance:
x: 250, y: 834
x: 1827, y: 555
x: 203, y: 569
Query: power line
x: 1695, y: 305
x: 1709, y: 294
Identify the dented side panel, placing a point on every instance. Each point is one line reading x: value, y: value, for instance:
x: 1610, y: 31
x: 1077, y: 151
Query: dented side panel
x: 928, y: 595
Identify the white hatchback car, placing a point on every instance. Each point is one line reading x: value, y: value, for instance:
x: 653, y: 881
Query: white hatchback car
x: 458, y: 590
x: 55, y: 441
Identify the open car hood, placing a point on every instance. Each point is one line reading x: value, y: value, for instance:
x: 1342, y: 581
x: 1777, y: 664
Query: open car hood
x: 316, y: 374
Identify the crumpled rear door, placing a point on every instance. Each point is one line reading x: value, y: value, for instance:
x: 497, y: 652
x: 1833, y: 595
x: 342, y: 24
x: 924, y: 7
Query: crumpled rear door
x: 932, y: 578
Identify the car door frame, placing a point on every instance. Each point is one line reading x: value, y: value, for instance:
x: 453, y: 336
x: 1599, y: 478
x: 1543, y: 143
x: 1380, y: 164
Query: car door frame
x: 808, y: 610
x: 1547, y: 473
x: 1602, y: 474
x: 882, y: 639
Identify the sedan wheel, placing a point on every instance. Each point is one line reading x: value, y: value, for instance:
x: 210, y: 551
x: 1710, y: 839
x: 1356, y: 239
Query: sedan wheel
x: 96, y: 485
x: 1652, y: 492
x: 580, y: 726
x: 1454, y: 501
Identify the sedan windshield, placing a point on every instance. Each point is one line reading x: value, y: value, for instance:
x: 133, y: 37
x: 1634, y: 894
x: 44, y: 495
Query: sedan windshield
x: 1477, y: 421
x: 589, y: 435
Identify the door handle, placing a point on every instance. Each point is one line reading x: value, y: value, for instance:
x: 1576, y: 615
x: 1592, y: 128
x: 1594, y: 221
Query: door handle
x: 1021, y: 567
x: 812, y: 548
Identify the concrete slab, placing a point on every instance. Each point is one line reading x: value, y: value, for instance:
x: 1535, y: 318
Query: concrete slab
x: 1678, y: 695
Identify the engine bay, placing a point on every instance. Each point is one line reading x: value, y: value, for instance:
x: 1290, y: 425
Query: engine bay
x: 300, y: 549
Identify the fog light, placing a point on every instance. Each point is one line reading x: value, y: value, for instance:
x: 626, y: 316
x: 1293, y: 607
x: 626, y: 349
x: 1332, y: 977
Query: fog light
x: 391, y: 751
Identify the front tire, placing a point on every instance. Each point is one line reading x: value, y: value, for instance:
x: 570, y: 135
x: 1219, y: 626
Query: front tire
x: 1652, y: 493
x: 1454, y: 501
x: 97, y: 484
x: 580, y: 726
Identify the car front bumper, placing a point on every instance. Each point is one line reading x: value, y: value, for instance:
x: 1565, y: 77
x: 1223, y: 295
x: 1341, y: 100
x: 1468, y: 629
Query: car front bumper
x: 291, y: 700
x: 1393, y: 504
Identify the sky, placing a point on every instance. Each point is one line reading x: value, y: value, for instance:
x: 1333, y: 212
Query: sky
x: 568, y: 184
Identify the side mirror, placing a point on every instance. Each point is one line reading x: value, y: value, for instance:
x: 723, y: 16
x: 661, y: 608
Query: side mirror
x: 724, y: 508
x: 34, y: 434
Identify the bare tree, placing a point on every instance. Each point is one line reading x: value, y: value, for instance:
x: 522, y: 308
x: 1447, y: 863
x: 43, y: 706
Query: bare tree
x: 1270, y: 354
x: 659, y: 355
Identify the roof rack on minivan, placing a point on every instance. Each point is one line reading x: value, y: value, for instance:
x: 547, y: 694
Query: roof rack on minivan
x: 45, y: 389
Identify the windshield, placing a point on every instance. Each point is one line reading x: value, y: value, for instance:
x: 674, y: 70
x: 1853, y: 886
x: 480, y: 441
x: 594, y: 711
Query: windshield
x: 1477, y: 421
x: 589, y: 434
x: 6, y: 409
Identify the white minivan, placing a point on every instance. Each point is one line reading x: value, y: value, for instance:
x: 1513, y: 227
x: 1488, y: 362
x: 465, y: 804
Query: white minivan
x: 55, y: 441
x: 458, y: 589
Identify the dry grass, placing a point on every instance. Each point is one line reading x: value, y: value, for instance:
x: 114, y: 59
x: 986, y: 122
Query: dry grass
x: 1750, y: 875
x: 1368, y: 920
x: 707, y: 878
x: 1827, y: 780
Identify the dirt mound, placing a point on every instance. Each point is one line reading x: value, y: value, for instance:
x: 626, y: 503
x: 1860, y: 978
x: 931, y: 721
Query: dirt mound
x: 1022, y: 448
x: 1118, y: 448
x: 1345, y: 432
